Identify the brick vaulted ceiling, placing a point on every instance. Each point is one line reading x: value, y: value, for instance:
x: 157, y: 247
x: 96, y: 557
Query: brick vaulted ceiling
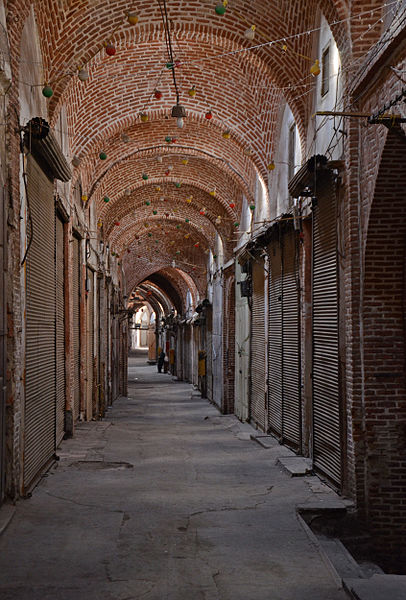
x: 152, y: 222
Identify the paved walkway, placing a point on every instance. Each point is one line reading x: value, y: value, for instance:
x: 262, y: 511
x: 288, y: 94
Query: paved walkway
x: 163, y: 501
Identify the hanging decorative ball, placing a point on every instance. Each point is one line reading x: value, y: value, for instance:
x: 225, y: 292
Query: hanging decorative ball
x: 146, y: 224
x: 214, y: 256
x: 192, y: 92
x: 102, y: 156
x: 197, y: 244
x: 186, y: 220
x: 149, y: 234
x: 106, y: 199
x: 226, y: 134
x: 157, y: 188
x: 169, y: 65
x: 47, y: 91
x: 166, y: 215
x: 83, y: 74
x: 127, y: 192
x: 236, y: 224
x: 110, y: 49
x: 218, y: 220
x: 113, y: 253
x: 154, y: 212
x: 132, y: 18
x: 144, y: 117
x: 159, y: 159
x: 189, y: 200
x: 187, y: 236
x: 116, y: 223
x: 174, y: 140
x: 177, y: 226
x: 231, y: 205
x: 84, y: 198
x: 221, y: 8
x: 170, y: 168
x: 139, y: 256
x: 177, y: 252
x: 185, y: 161
x: 202, y: 211
x: 209, y: 115
x: 178, y: 184
x: 167, y: 173
x: 315, y: 68
x: 147, y: 202
x: 144, y: 176
x: 249, y: 34
x: 168, y: 139
x: 212, y: 193
x: 128, y: 251
x: 252, y: 206
x: 157, y: 94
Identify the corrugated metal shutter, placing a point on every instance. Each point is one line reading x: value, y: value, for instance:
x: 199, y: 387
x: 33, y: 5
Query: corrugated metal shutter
x: 59, y: 331
x: 39, y: 416
x: 326, y: 397
x: 291, y: 433
x: 76, y: 326
x: 275, y: 338
x: 90, y: 343
x: 258, y: 407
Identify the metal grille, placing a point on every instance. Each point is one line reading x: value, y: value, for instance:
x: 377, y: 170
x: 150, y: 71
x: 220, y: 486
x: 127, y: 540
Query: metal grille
x: 76, y: 326
x: 258, y: 408
x: 39, y: 414
x: 275, y: 338
x: 59, y: 331
x: 326, y: 398
x: 3, y: 340
x: 290, y: 347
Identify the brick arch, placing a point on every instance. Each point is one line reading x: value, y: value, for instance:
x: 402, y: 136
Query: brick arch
x: 123, y: 168
x: 177, y: 278
x: 385, y: 352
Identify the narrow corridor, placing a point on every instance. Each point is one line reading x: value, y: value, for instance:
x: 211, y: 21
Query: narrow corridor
x: 164, y: 499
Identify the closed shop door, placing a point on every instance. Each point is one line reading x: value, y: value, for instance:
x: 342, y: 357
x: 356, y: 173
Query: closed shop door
x: 39, y: 410
x: 258, y: 405
x: 291, y: 433
x: 90, y: 344
x: 59, y: 331
x: 275, y: 339
x: 76, y: 326
x: 3, y: 340
x: 325, y: 375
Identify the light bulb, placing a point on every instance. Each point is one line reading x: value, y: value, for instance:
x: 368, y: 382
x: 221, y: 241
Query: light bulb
x: 180, y: 122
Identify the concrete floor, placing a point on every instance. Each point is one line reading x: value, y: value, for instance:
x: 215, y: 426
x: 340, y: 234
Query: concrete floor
x: 163, y: 500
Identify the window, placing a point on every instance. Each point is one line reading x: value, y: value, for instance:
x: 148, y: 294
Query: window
x: 291, y: 151
x: 325, y: 71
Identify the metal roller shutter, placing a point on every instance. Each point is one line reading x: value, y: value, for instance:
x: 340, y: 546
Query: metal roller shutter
x: 39, y: 413
x: 291, y: 433
x: 326, y: 397
x: 59, y: 332
x: 76, y: 326
x: 275, y: 338
x: 90, y: 343
x: 258, y: 407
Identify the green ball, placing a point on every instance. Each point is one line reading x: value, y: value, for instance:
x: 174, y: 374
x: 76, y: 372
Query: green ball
x: 106, y: 199
x: 220, y: 9
x: 177, y: 226
x: 236, y: 224
x: 169, y: 65
x: 168, y: 139
x: 147, y: 202
x: 150, y: 235
x: 186, y: 220
x: 177, y: 252
x: 154, y: 212
x: 47, y: 91
x: 252, y: 206
x: 102, y: 156
x: 144, y: 176
x: 214, y: 255
x: 177, y: 184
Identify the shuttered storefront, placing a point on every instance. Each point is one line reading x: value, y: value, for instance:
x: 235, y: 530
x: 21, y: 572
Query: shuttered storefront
x: 90, y: 343
x: 76, y: 327
x: 284, y: 340
x: 59, y: 331
x: 258, y: 404
x: 39, y: 413
x: 325, y: 375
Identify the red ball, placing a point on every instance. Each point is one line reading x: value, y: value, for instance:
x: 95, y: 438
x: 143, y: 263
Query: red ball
x: 117, y: 223
x: 232, y: 205
x: 209, y: 115
x: 197, y: 245
x: 110, y: 50
x: 158, y: 94
x: 174, y: 140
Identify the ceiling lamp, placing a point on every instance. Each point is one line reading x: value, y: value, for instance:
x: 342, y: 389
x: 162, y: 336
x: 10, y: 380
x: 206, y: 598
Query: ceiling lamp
x: 179, y: 113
